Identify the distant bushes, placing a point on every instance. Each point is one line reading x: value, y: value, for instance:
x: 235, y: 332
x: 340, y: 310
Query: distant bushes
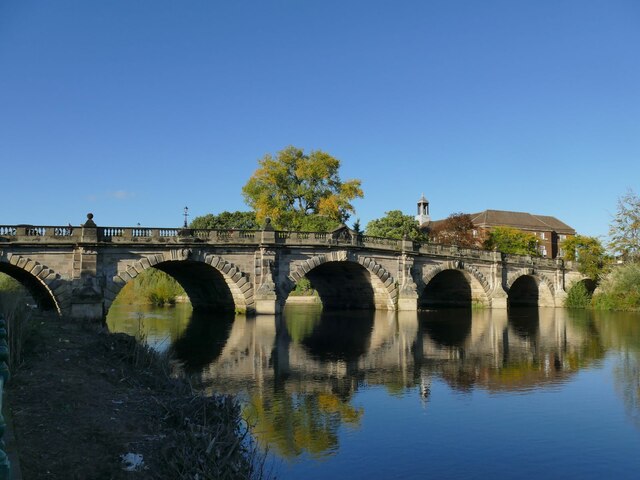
x: 151, y: 287
x: 303, y: 288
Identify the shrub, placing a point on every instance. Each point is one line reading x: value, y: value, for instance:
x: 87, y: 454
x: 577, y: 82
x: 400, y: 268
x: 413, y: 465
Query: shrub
x: 620, y: 290
x: 578, y: 296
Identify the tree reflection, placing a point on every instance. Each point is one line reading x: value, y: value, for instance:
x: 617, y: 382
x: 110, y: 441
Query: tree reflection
x: 294, y: 423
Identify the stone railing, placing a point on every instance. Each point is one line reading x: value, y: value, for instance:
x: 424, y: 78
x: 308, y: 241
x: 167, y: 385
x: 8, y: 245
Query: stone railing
x: 5, y: 467
x: 125, y: 235
x: 38, y: 233
x: 455, y: 251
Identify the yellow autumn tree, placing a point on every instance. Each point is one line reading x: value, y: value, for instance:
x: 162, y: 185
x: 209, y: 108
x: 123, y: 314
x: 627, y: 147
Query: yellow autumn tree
x: 300, y: 191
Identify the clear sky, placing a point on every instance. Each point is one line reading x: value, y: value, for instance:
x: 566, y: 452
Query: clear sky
x: 134, y: 109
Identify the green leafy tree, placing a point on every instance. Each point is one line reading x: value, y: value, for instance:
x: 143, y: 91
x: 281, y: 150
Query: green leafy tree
x: 512, y: 241
x: 395, y: 224
x: 293, y: 186
x: 624, y: 231
x: 227, y: 221
x: 456, y: 229
x: 588, y: 252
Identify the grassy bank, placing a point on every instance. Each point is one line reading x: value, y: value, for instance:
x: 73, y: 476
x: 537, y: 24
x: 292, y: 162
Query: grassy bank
x: 90, y: 404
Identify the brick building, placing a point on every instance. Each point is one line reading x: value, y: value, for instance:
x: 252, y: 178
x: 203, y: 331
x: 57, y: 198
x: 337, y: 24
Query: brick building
x: 549, y: 230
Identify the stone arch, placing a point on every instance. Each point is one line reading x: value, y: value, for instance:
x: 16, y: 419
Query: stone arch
x: 481, y: 290
x: 545, y: 298
x: 382, y: 282
x: 238, y: 282
x: 46, y: 286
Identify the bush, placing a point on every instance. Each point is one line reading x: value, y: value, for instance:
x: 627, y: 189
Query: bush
x: 620, y: 290
x: 578, y: 296
x: 303, y: 288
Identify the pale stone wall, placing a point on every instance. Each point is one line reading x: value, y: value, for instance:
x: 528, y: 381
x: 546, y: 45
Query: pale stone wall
x: 83, y: 269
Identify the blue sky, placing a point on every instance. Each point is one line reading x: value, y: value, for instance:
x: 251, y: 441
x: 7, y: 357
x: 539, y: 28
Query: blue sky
x: 134, y: 109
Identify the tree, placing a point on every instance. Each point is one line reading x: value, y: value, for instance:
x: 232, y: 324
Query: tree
x: 395, y: 225
x: 624, y: 231
x: 293, y: 185
x: 456, y: 229
x: 227, y: 221
x: 512, y: 241
x: 588, y: 252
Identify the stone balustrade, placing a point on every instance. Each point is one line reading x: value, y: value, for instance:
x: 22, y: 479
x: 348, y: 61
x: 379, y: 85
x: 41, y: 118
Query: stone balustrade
x: 135, y: 235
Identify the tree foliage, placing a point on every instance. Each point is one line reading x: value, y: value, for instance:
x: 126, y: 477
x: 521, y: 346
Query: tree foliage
x: 227, y: 221
x: 395, y: 225
x: 624, y: 231
x: 456, y: 229
x: 588, y: 252
x: 512, y: 241
x: 293, y: 186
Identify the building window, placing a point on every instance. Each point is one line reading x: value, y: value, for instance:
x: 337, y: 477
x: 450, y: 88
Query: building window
x: 474, y: 232
x: 542, y: 235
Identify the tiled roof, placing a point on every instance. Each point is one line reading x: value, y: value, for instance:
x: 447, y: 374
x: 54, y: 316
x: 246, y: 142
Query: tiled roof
x: 522, y: 220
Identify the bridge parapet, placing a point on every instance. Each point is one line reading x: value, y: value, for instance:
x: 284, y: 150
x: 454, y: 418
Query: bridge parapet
x: 31, y: 233
x: 454, y: 251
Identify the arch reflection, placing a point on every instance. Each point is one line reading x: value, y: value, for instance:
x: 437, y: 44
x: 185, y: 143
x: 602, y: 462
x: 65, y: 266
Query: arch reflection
x: 298, y: 374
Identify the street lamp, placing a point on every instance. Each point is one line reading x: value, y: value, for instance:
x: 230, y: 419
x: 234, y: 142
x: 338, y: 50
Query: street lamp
x: 186, y: 214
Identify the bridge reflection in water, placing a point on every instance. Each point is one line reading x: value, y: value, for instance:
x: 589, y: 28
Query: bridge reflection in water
x: 297, y: 373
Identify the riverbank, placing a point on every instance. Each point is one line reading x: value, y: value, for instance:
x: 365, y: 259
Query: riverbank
x: 90, y: 404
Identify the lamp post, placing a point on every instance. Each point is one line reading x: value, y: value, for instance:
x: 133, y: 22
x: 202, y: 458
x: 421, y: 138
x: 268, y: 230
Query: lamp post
x: 186, y: 214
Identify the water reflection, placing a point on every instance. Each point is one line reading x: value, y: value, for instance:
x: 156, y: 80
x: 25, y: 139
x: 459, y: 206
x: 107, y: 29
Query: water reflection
x: 298, y: 374
x: 202, y: 342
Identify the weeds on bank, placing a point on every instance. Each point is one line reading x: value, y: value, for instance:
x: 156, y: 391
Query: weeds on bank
x: 208, y: 438
x: 18, y: 317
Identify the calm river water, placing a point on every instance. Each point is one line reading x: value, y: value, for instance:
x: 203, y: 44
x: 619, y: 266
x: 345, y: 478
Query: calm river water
x: 540, y: 393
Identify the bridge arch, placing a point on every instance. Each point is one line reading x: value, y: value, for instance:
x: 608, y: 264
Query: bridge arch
x: 210, y: 281
x: 375, y: 286
x: 447, y: 284
x: 43, y: 284
x: 529, y: 287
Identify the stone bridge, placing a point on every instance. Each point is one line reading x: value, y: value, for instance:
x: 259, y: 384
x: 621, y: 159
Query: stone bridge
x: 79, y: 271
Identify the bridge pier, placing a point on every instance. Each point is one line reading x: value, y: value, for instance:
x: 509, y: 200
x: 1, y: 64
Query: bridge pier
x: 408, y: 291
x: 87, y: 299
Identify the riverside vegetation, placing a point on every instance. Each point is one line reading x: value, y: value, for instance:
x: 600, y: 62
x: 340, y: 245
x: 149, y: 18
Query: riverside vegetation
x: 79, y: 392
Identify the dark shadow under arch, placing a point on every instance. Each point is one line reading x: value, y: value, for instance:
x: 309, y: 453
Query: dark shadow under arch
x: 589, y: 284
x: 448, y: 288
x: 524, y: 292
x: 343, y: 285
x: 38, y: 291
x: 205, y: 286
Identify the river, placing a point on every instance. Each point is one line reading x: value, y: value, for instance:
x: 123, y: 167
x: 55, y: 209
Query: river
x: 527, y: 393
